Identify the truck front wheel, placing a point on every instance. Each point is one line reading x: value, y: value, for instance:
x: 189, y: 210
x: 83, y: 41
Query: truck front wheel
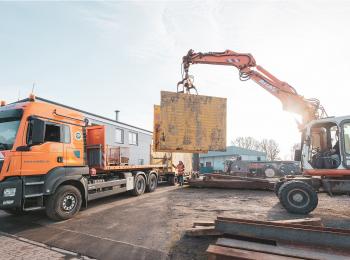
x: 298, y: 197
x: 140, y: 185
x: 64, y: 203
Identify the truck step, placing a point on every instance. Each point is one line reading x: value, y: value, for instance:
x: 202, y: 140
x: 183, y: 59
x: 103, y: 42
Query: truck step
x: 33, y: 195
x: 34, y: 183
x: 33, y: 208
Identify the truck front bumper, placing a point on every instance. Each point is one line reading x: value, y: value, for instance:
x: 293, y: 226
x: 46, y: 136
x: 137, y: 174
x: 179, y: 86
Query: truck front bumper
x: 11, y: 193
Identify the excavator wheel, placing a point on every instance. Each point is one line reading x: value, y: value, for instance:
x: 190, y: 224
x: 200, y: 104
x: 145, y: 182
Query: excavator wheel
x: 298, y: 197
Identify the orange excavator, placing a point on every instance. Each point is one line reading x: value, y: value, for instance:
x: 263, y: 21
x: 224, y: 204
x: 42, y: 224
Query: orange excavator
x: 325, y: 141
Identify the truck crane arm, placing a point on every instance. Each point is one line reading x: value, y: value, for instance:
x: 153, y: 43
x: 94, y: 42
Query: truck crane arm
x: 309, y: 109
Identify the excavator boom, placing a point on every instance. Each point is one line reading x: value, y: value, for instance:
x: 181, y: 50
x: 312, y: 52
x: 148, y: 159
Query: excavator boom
x: 309, y: 109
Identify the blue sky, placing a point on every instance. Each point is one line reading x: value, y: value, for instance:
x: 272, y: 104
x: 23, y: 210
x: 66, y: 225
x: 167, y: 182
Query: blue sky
x: 102, y: 56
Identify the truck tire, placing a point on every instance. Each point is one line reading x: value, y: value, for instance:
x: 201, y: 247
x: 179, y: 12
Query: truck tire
x: 152, y: 183
x: 140, y: 185
x: 298, y: 197
x: 64, y: 203
x: 172, y: 180
x: 277, y: 187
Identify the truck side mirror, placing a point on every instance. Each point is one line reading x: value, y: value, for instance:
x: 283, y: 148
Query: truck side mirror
x: 38, y: 131
x: 297, y: 155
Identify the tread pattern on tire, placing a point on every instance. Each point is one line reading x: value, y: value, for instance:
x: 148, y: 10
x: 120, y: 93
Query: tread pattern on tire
x: 290, y: 185
x: 172, y: 180
x: 148, y: 186
x: 134, y: 191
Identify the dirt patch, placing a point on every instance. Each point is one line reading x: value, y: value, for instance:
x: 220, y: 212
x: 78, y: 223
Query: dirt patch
x: 152, y: 226
x: 191, y: 204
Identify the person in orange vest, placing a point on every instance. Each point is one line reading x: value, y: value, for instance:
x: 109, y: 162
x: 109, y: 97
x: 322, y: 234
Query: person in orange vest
x: 180, y: 172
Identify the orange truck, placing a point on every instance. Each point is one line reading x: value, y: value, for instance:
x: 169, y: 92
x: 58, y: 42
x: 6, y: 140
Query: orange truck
x: 50, y: 158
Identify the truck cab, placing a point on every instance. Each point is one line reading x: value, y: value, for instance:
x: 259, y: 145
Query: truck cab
x: 46, y: 161
x: 40, y: 143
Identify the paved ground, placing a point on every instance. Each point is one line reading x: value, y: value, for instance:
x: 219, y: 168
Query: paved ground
x: 152, y: 226
x: 12, y: 247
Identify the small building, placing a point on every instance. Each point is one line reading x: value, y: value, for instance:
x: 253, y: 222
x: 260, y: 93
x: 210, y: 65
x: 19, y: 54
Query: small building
x: 216, y: 160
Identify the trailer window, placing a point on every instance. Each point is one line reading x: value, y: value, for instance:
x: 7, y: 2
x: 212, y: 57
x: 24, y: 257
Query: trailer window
x: 132, y: 138
x: 346, y: 129
x: 119, y: 136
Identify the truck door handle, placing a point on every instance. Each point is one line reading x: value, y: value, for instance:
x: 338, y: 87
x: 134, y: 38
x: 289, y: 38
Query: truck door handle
x: 60, y: 159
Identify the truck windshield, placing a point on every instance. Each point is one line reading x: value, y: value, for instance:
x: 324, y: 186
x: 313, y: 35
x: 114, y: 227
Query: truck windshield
x: 8, y: 132
x: 9, y: 123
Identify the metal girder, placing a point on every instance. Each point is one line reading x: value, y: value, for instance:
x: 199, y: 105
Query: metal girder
x: 290, y: 233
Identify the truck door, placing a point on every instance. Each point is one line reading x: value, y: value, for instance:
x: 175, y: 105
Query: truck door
x: 74, y: 146
x: 43, y: 156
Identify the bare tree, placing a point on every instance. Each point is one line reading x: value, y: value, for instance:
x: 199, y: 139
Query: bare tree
x: 271, y: 148
x: 247, y: 142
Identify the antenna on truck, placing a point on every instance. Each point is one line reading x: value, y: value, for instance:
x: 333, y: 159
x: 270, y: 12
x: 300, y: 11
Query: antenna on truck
x: 33, y: 87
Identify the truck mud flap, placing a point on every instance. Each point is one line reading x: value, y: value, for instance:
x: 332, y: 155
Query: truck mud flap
x: 14, y: 189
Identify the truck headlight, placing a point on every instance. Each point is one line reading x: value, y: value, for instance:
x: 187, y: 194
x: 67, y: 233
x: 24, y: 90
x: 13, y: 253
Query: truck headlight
x: 9, y: 192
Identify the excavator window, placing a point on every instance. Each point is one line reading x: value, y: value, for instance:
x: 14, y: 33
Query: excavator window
x: 324, y: 147
x: 346, y: 129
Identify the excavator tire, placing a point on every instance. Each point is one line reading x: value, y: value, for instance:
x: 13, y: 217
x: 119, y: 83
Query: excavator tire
x: 64, y: 203
x: 298, y: 197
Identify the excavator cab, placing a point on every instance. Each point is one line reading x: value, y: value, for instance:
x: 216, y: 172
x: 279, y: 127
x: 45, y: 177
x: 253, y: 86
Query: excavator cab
x: 325, y: 164
x: 326, y: 147
x: 323, y: 146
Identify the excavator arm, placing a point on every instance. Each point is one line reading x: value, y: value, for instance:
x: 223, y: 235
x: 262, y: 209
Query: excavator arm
x: 309, y: 109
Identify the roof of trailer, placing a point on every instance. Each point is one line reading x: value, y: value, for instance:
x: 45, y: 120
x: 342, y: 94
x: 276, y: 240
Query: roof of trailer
x: 84, y: 112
